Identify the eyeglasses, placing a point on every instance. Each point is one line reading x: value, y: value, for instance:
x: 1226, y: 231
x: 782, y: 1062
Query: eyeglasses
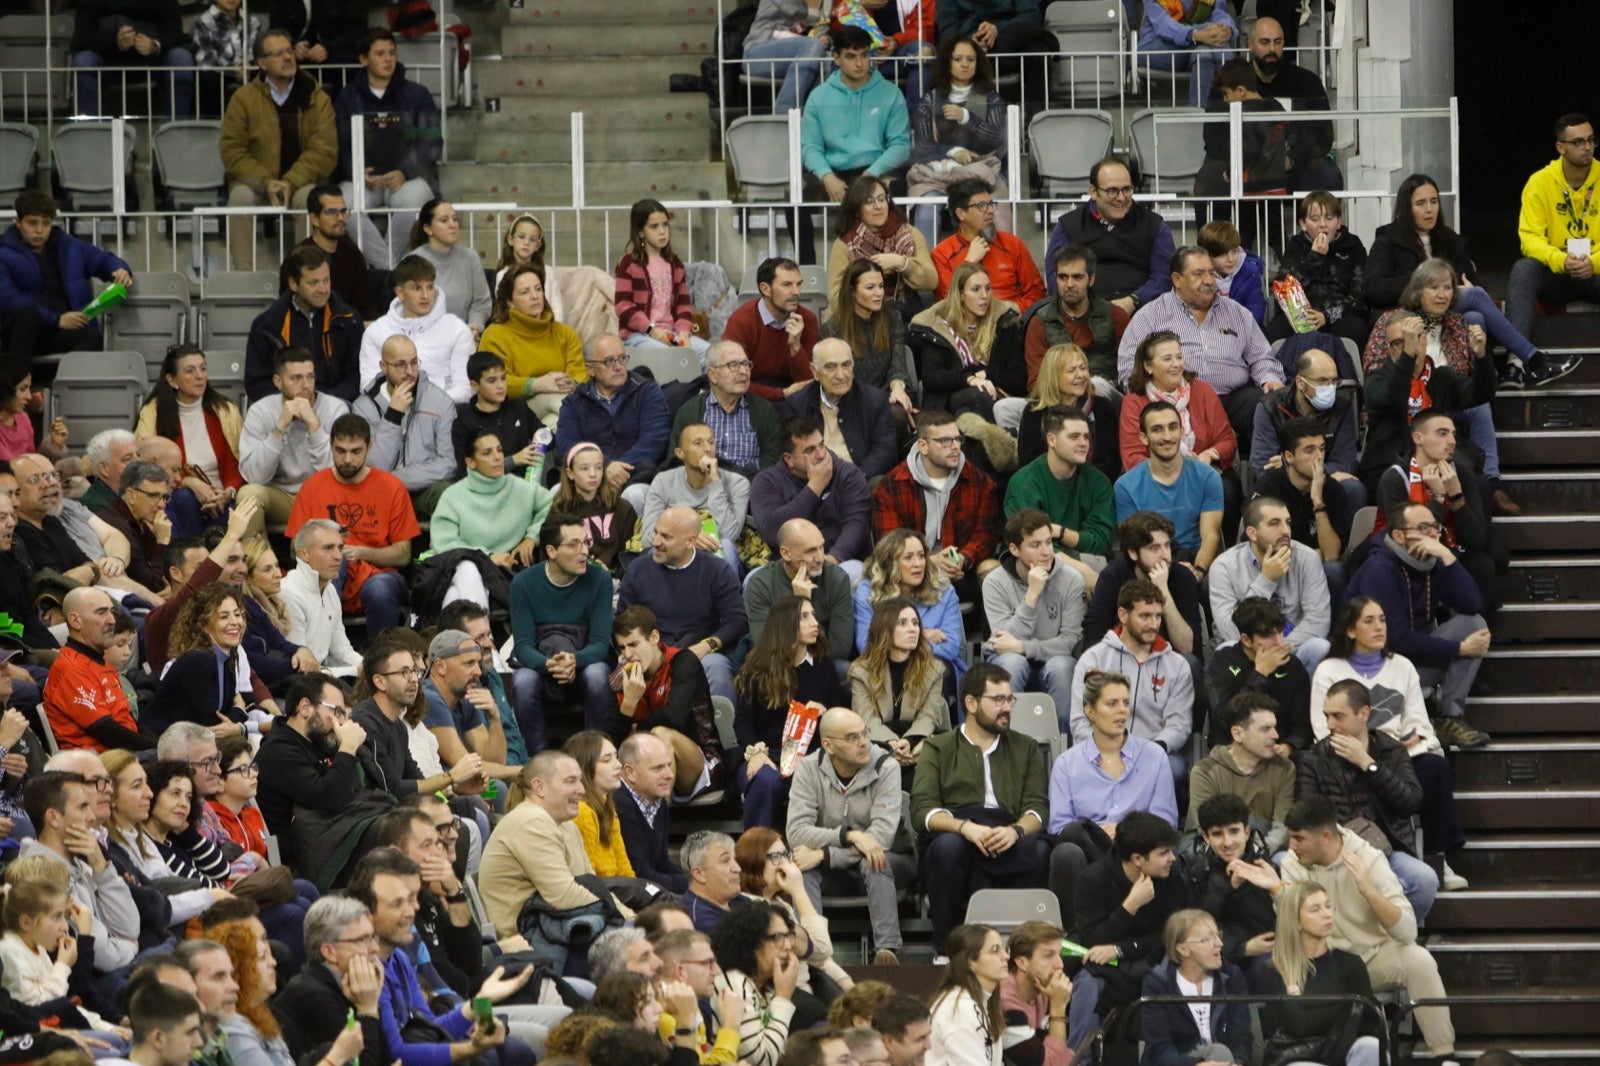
x: 1002, y: 701
x: 781, y: 855
x: 447, y: 829
x: 1117, y: 193
x: 336, y: 212
x: 709, y: 961
x: 1580, y: 142
x: 159, y: 497
x: 980, y: 205
x: 736, y: 365
x: 408, y: 671
x: 1317, y: 383
x: 360, y: 941
x: 1208, y: 940
x: 612, y: 361
x: 44, y: 477
x: 214, y: 763
x: 249, y: 769
x: 410, y: 364
x: 881, y: 198
x: 1427, y: 529
x: 101, y: 784
x: 944, y: 442
x: 850, y: 738
x: 340, y: 711
x: 276, y: 53
x: 573, y: 545
x: 779, y: 938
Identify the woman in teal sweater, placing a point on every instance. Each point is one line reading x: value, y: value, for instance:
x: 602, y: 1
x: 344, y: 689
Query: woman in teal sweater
x: 487, y: 511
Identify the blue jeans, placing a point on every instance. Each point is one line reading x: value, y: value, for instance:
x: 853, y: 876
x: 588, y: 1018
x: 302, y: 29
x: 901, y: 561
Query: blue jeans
x: 1478, y: 307
x: 1531, y: 281
x: 176, y: 89
x: 797, y: 60
x: 381, y: 597
x: 525, y: 705
x: 594, y: 692
x: 1053, y: 677
x: 1417, y: 881
x: 1478, y: 423
x: 643, y: 340
x: 1312, y: 652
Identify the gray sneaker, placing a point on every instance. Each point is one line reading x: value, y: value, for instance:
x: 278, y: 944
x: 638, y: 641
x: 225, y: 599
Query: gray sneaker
x: 1459, y: 732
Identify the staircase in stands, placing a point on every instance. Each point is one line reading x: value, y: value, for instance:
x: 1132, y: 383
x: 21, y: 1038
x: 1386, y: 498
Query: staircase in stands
x: 1529, y: 925
x: 538, y: 62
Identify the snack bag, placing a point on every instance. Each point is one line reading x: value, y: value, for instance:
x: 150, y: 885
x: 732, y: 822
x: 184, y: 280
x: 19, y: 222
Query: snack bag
x: 799, y: 726
x: 1292, y: 299
x: 854, y: 13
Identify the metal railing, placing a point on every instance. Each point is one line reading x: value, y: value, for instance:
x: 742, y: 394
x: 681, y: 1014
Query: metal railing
x: 1120, y: 1018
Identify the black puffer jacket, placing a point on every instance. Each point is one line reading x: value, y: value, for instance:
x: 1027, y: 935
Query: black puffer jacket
x: 1333, y: 282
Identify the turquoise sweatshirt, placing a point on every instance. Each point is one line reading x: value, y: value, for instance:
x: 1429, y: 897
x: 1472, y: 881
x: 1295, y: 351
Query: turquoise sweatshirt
x: 490, y: 514
x: 848, y: 129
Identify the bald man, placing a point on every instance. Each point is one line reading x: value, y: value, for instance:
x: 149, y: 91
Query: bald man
x: 845, y: 801
x: 1314, y: 393
x: 1283, y: 79
x: 412, y: 420
x: 802, y: 569
x: 694, y: 596
x: 83, y: 699
x: 854, y: 416
x: 194, y: 505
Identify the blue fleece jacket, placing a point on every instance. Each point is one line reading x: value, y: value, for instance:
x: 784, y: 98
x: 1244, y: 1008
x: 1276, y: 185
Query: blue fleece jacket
x: 1247, y: 289
x: 78, y: 261
x: 632, y: 427
x: 401, y: 995
x: 852, y: 129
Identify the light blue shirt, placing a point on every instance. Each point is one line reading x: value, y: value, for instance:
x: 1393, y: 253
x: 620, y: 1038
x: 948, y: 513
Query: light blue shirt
x: 1081, y: 788
x: 1197, y: 490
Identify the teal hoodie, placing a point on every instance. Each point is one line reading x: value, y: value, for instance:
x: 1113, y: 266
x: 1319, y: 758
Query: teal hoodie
x: 852, y: 129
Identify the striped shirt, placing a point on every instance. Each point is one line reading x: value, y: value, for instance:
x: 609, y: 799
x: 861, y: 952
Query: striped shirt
x: 737, y: 444
x: 1228, y: 352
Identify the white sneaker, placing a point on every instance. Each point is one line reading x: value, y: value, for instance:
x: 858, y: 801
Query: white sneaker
x: 1452, y: 881
x: 941, y: 960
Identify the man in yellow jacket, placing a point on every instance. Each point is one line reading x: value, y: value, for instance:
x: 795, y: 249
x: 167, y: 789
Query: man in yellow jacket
x: 1559, y: 222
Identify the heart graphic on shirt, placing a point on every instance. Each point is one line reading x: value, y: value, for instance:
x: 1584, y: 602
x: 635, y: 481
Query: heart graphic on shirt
x: 347, y: 515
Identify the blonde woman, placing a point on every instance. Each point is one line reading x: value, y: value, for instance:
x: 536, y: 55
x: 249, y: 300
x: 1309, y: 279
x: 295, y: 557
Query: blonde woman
x: 1065, y: 381
x: 900, y: 568
x: 1304, y: 963
x: 968, y: 347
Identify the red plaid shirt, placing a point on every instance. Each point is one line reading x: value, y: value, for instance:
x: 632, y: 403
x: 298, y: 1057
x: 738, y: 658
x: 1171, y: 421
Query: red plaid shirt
x: 633, y: 297
x: 971, y: 520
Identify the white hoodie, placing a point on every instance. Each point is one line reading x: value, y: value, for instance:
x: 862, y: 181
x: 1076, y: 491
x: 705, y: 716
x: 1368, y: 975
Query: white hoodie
x: 444, y: 344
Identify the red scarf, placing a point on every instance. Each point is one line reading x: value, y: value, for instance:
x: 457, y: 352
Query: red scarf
x: 227, y: 462
x: 1419, y: 401
x: 1417, y: 492
x: 658, y: 689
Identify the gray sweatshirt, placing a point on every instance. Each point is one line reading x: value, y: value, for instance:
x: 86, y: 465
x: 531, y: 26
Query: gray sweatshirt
x: 1163, y: 690
x: 775, y: 15
x: 116, y: 918
x: 1051, y: 627
x: 1302, y: 592
x: 727, y: 499
x: 416, y: 446
x: 822, y: 810
x: 285, y: 462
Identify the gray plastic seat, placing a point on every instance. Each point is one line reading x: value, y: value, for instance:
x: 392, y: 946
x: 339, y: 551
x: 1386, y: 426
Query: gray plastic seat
x: 19, y: 157
x: 188, y: 166
x: 1169, y: 154
x: 96, y: 391
x: 1090, y: 34
x: 153, y: 317
x: 27, y: 43
x: 757, y: 148
x: 81, y: 155
x: 225, y: 368
x: 1065, y: 144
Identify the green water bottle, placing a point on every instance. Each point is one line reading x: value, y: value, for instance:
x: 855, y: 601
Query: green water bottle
x: 109, y: 297
x: 1071, y: 949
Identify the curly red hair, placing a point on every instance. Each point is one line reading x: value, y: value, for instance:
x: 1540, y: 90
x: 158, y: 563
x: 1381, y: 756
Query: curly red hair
x: 243, y: 944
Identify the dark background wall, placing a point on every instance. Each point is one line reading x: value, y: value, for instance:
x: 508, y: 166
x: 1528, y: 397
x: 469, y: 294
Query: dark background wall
x: 1518, y: 66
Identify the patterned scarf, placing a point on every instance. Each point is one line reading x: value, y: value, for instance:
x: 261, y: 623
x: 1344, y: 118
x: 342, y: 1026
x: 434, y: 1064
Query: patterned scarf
x: 1417, y: 491
x: 1180, y: 400
x: 862, y: 241
x: 1419, y: 400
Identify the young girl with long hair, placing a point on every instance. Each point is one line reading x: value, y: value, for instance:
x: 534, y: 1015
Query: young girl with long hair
x: 652, y: 288
x: 524, y: 244
x: 897, y: 686
x: 587, y: 495
x: 597, y: 812
x: 863, y: 318
x: 788, y: 664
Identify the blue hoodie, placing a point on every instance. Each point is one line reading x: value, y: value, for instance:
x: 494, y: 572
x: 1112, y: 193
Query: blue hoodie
x: 852, y: 129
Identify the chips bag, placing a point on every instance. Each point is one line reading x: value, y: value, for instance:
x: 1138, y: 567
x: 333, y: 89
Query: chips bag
x: 1292, y: 299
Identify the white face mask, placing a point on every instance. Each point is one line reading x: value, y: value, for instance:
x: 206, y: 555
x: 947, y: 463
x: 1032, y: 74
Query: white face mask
x: 1322, y: 396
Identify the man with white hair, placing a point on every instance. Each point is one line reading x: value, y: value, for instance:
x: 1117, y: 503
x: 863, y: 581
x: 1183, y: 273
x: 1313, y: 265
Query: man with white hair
x: 342, y: 980
x: 623, y: 950
x: 713, y: 878
x: 83, y: 699
x: 316, y: 619
x: 108, y: 451
x: 50, y: 545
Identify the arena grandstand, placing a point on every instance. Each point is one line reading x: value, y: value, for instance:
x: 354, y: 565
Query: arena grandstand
x: 889, y: 488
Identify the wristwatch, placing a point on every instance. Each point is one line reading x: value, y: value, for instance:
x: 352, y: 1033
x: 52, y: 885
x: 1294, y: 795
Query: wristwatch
x: 1372, y: 768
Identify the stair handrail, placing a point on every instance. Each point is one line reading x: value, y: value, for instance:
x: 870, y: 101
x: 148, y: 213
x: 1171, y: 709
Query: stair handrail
x: 1119, y: 1016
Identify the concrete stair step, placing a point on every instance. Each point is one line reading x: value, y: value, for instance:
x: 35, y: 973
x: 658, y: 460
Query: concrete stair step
x: 696, y: 38
x: 1558, y: 406
x: 1548, y: 447
x: 1566, y: 906
x: 608, y: 183
x: 634, y: 113
x: 1572, y: 331
x: 568, y: 76
x: 1566, y: 620
x: 1551, y: 580
x: 1542, y: 984
x: 603, y: 16
x: 1554, y: 492
x: 1532, y: 673
x: 1530, y: 762
x: 1518, y: 713
x: 1550, y: 532
x: 1553, y: 1051
x: 1529, y: 808
x: 1527, y: 859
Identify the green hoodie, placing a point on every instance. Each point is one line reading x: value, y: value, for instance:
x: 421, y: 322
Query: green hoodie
x: 490, y: 514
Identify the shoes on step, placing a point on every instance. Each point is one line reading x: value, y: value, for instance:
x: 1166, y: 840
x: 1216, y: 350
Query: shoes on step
x: 1543, y: 368
x: 1459, y: 732
x: 941, y: 960
x: 1513, y: 376
x: 885, y: 957
x: 1505, y: 505
x: 1452, y: 881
